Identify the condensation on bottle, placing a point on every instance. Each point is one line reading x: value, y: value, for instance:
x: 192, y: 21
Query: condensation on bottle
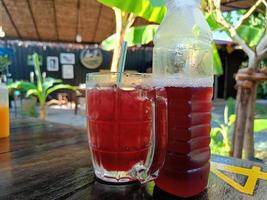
x: 182, y: 46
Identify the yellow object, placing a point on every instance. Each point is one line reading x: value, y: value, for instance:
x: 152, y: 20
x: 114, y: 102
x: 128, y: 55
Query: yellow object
x: 4, y: 121
x: 253, y: 174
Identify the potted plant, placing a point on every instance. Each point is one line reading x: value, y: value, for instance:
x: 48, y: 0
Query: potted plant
x: 42, y: 88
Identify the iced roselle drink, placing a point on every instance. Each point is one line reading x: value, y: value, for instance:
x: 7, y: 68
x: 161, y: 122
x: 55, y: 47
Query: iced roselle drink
x: 187, y: 158
x: 127, y: 126
x: 119, y: 127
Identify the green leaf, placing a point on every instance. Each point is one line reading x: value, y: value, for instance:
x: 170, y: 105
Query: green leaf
x: 211, y: 19
x: 49, y: 82
x: 144, y: 34
x: 260, y: 125
x: 141, y: 8
x: 215, y: 131
x: 250, y: 34
x: 134, y: 36
x: 230, y: 103
x: 218, y: 144
x: 38, y: 71
x: 231, y: 119
x: 59, y: 87
x: 38, y: 94
x: 22, y: 85
x: 33, y: 92
x: 229, y: 111
x: 217, y: 63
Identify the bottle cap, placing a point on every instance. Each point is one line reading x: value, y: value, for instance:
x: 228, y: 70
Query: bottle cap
x: 181, y: 3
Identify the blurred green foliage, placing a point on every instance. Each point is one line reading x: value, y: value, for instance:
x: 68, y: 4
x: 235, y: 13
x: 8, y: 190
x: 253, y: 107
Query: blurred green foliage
x: 4, y: 62
x: 221, y: 135
x: 153, y: 11
x: 28, y: 107
x: 262, y: 90
x: 43, y: 87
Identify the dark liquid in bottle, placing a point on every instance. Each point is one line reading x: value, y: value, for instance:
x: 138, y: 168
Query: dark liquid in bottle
x: 186, y: 168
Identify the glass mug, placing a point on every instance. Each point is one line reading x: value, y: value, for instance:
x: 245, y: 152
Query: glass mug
x: 127, y: 126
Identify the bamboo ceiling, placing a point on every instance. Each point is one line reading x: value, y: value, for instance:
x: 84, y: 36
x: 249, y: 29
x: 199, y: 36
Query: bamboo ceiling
x: 62, y: 20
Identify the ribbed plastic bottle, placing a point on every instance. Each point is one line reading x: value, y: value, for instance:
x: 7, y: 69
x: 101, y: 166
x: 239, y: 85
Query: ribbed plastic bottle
x: 182, y: 63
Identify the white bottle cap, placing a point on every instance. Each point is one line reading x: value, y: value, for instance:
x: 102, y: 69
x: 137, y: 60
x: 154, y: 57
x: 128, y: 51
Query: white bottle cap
x: 181, y: 3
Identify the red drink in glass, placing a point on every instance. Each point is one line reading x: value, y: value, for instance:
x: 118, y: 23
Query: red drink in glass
x: 186, y: 168
x: 127, y: 126
x: 119, y: 126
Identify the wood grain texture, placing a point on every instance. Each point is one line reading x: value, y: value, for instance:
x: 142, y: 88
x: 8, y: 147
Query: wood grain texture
x: 44, y: 160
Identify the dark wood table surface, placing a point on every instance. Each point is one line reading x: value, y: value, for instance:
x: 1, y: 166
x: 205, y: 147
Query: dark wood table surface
x: 44, y: 160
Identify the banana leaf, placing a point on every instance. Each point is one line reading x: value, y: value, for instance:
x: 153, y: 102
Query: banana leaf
x: 141, y: 8
x: 134, y: 36
x: 35, y: 92
x: 22, y: 85
x: 37, y: 71
x: 211, y: 19
x: 217, y: 63
x: 49, y: 82
x: 58, y: 87
x: 144, y: 34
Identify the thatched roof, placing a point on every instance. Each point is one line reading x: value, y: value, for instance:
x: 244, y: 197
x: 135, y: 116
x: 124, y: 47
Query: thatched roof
x: 62, y: 20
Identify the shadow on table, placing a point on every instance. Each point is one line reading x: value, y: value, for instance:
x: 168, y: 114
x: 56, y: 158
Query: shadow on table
x: 133, y: 191
x: 158, y: 194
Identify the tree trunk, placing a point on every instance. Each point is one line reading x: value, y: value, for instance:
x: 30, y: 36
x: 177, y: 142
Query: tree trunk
x: 249, y: 134
x: 246, y: 96
x: 124, y: 21
x: 42, y: 111
x: 243, y: 130
x: 241, y: 115
x: 231, y: 153
x: 117, y: 50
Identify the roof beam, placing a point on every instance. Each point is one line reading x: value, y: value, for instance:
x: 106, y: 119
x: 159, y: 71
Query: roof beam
x: 33, y: 19
x: 235, y: 7
x: 97, y: 22
x: 11, y: 19
x: 231, y: 1
x: 55, y: 19
x: 230, y: 5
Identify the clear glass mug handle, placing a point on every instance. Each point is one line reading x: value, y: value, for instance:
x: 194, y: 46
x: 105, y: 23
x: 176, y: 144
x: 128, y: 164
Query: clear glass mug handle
x: 156, y: 156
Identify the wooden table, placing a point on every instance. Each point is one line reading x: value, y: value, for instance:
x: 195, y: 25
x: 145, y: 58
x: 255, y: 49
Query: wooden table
x: 43, y: 160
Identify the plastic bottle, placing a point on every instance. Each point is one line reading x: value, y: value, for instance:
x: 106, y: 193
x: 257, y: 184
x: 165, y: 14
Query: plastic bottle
x: 4, y: 110
x: 182, y: 63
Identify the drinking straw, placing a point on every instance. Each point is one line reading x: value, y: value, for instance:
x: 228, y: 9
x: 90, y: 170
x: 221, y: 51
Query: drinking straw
x: 122, y: 61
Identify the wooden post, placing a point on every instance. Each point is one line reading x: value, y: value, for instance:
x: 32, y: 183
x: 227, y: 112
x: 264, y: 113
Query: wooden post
x: 247, y: 80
